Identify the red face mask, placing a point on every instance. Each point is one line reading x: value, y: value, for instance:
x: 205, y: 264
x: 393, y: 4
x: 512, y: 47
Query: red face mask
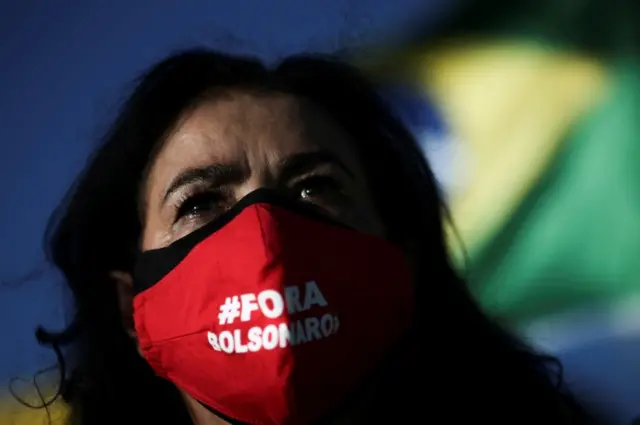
x: 271, y: 314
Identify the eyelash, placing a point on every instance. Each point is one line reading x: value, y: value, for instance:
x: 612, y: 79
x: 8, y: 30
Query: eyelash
x: 185, y: 206
x: 215, y: 198
x: 322, y: 182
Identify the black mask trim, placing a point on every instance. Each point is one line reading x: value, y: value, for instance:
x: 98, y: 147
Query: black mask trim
x: 152, y: 265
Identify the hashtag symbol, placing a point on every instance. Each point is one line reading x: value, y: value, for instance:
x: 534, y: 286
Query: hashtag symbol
x: 229, y: 311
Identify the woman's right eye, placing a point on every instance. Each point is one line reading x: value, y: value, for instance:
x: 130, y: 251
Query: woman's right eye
x: 198, y: 205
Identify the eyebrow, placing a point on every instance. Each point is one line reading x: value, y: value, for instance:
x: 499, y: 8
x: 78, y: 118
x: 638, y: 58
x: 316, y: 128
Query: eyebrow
x: 223, y: 175
x: 214, y: 175
x: 304, y: 163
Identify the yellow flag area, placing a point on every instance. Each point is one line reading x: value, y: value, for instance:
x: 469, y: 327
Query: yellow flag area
x: 509, y: 105
x: 544, y: 142
x: 14, y: 413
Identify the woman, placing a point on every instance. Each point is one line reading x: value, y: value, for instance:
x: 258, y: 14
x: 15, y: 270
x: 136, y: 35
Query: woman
x: 265, y: 246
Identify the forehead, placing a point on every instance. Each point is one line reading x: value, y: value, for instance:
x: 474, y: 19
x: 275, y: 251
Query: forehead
x: 255, y: 129
x: 249, y: 124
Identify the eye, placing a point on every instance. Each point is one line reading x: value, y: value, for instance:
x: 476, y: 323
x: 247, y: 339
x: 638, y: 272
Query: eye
x: 199, y: 204
x: 321, y: 190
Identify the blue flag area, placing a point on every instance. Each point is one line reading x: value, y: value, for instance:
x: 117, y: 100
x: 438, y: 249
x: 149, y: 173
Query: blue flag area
x: 599, y: 350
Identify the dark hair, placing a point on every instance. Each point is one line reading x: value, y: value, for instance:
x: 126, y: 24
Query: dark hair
x: 472, y: 368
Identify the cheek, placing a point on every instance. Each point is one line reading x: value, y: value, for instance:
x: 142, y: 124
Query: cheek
x: 371, y: 214
x: 372, y: 224
x: 154, y: 235
x: 365, y: 218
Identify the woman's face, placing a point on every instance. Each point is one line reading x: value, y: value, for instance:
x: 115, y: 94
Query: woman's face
x: 228, y: 147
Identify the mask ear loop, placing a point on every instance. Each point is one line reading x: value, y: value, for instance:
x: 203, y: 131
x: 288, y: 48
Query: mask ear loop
x: 41, y: 335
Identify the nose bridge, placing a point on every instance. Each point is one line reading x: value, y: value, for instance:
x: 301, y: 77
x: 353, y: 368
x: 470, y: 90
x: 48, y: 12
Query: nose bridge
x: 271, y: 243
x: 260, y: 177
x: 252, y: 184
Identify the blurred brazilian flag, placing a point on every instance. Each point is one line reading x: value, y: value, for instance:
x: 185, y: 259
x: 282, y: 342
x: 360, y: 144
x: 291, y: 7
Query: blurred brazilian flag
x: 529, y: 112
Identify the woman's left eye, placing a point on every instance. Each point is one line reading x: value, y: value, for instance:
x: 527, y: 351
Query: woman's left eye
x: 318, y: 189
x: 198, y: 205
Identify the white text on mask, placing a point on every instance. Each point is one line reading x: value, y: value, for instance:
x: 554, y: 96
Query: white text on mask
x: 272, y: 305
